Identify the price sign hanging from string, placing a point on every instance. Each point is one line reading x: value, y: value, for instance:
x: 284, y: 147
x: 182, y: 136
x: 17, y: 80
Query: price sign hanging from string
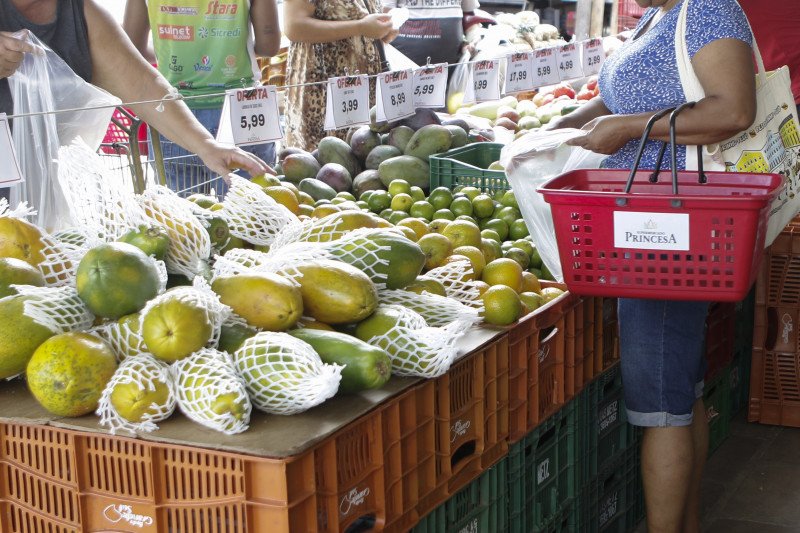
x: 10, y: 173
x: 593, y: 56
x: 347, y: 102
x: 545, y: 67
x: 393, y: 96
x: 250, y: 116
x: 569, y: 62
x: 429, y: 86
x: 519, y: 67
x: 485, y: 80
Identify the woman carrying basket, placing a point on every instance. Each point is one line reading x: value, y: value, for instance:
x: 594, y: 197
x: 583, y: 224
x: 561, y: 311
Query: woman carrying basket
x: 662, y: 341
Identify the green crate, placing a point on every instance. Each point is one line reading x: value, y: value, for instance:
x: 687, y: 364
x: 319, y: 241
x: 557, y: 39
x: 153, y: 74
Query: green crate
x: 480, y: 507
x: 739, y: 381
x: 467, y: 166
x: 745, y: 322
x: 542, y: 470
x: 606, y: 433
x: 613, y: 501
x: 717, y: 404
x: 567, y: 521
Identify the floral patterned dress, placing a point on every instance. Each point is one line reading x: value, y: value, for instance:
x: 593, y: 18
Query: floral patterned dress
x: 305, y: 112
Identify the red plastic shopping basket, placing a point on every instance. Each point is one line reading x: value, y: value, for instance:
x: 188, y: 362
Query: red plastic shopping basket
x: 703, y: 244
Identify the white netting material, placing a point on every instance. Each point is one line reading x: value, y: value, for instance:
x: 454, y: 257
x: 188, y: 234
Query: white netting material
x: 200, y: 295
x: 58, y: 309
x: 284, y: 262
x: 254, y: 216
x: 210, y: 392
x: 453, y: 277
x: 61, y: 260
x: 328, y: 228
x: 284, y: 375
x: 125, y: 342
x: 144, y: 372
x: 416, y: 349
x: 97, y: 200
x: 436, y: 310
x: 189, y: 243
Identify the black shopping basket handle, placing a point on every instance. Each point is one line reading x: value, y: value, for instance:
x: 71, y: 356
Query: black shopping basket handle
x: 673, y: 152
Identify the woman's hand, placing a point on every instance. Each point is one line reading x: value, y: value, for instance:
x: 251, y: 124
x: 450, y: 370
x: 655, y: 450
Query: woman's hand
x: 223, y: 159
x: 604, y: 135
x: 376, y: 25
x: 13, y: 47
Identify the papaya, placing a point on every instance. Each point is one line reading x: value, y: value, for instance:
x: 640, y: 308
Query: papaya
x: 297, y: 167
x: 379, y: 154
x: 336, y: 293
x: 405, y: 259
x: 218, y: 232
x: 317, y: 189
x: 406, y: 167
x: 400, y: 136
x: 21, y: 240
x: 19, y: 336
x: 116, y: 279
x: 365, y: 366
x: 152, y: 240
x: 340, y: 223
x: 202, y: 200
x: 17, y: 272
x: 232, y: 337
x: 429, y: 140
x: 264, y: 300
x: 335, y: 150
x: 363, y: 141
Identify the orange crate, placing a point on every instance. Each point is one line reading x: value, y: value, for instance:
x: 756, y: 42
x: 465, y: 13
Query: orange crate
x: 610, y: 334
x: 495, y: 394
x: 720, y: 333
x: 409, y: 434
x: 460, y: 425
x: 580, y: 346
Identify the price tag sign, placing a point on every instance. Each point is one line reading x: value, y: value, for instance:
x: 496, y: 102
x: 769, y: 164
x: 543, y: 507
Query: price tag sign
x: 485, y: 80
x: 10, y: 173
x: 347, y: 102
x: 429, y: 86
x: 593, y: 56
x: 393, y: 96
x: 545, y: 67
x: 569, y: 62
x: 519, y: 67
x: 252, y: 116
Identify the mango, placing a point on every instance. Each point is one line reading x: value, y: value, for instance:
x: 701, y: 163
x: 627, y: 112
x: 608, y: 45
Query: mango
x: 458, y: 137
x: 369, y: 180
x: 429, y: 140
x: 363, y: 141
x: 335, y: 150
x: 336, y: 176
x: 318, y: 190
x: 297, y: 167
x: 400, y: 136
x: 414, y: 170
x: 379, y: 154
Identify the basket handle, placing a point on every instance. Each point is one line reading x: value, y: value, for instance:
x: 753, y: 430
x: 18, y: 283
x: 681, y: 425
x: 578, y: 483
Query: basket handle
x: 674, y: 112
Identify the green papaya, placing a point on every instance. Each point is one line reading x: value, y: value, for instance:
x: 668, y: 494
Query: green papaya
x: 429, y: 140
x: 404, y: 258
x: 152, y: 240
x: 365, y: 366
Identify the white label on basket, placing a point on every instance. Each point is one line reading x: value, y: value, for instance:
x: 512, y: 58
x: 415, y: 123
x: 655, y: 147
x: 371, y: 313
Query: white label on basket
x: 11, y: 173
x: 608, y: 415
x: 393, y: 96
x: 543, y: 471
x: 347, y: 102
x: 472, y: 527
x: 124, y: 513
x: 651, y: 231
x: 353, y: 499
x: 608, y: 509
x: 459, y: 429
x: 253, y: 114
x: 430, y: 86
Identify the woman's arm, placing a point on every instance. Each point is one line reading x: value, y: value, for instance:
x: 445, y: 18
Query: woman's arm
x: 122, y: 71
x: 580, y: 117
x: 302, y: 26
x: 266, y: 29
x: 726, y: 72
x: 136, y: 24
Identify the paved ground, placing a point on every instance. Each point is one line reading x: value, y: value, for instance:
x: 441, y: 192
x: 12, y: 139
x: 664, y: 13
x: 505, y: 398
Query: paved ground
x: 752, y: 483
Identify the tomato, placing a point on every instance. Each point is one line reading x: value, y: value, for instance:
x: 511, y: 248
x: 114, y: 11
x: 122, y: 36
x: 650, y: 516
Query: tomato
x: 564, y: 89
x: 592, y: 83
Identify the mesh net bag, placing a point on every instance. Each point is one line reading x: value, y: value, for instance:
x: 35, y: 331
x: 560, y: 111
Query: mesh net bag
x: 436, y: 310
x: 284, y: 375
x: 454, y: 278
x: 147, y: 376
x: 199, y: 295
x: 189, y: 243
x: 254, y: 216
x: 98, y: 200
x: 58, y: 309
x: 325, y: 229
x: 61, y: 260
x: 210, y: 392
x: 417, y: 349
x: 124, y: 337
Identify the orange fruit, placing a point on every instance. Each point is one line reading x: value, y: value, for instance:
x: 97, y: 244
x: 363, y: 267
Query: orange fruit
x: 408, y: 233
x: 503, y: 271
x: 530, y: 283
x: 418, y: 225
x: 463, y: 233
x: 502, y: 305
x: 475, y: 257
x: 455, y: 258
x: 436, y: 248
x: 482, y: 286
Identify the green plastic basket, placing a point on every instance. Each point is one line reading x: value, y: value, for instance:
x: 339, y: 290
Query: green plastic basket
x: 717, y: 401
x: 468, y: 166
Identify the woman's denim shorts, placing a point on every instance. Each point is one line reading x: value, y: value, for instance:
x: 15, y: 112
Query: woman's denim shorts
x: 662, y: 358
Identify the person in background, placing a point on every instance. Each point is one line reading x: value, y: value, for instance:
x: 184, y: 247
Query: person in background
x: 434, y: 29
x: 661, y: 342
x: 776, y: 25
x: 328, y: 39
x: 204, y: 49
x: 91, y: 42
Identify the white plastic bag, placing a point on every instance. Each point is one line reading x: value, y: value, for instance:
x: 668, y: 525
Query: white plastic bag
x: 45, y: 83
x: 531, y: 161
